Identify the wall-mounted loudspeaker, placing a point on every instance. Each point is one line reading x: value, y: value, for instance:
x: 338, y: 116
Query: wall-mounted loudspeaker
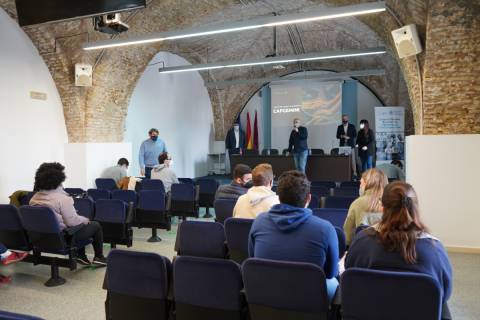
x: 83, y: 75
x: 407, y: 41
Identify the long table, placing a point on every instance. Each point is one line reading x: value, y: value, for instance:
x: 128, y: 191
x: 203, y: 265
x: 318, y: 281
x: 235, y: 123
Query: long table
x: 319, y: 167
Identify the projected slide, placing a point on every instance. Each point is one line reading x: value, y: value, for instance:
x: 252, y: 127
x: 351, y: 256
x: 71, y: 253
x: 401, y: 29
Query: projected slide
x: 317, y: 104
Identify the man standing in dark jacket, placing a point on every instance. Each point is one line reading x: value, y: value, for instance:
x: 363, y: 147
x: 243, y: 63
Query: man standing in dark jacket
x: 297, y: 145
x: 235, y: 140
x: 347, y: 133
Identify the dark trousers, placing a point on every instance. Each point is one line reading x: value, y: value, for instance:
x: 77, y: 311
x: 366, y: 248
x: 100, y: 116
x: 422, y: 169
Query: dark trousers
x: 91, y: 230
x: 148, y: 172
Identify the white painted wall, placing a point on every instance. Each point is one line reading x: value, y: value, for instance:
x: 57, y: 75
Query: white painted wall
x: 179, y: 106
x: 86, y: 161
x: 445, y: 173
x: 31, y: 131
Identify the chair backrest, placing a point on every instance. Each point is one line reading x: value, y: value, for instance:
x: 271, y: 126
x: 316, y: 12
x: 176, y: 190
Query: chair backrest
x: 267, y: 152
x: 328, y: 184
x: 208, y: 188
x: 314, y: 202
x: 333, y: 215
x: 85, y: 207
x: 153, y: 184
x: 74, y: 192
x: 43, y: 228
x: 128, y: 196
x: 284, y: 151
x: 224, y: 209
x: 346, y: 192
x: 97, y: 194
x: 339, y: 202
x: 4, y: 315
x: 342, y: 242
x: 138, y: 285
x: 12, y: 232
x: 377, y: 295
x: 153, y: 200
x: 353, y: 184
x: 111, y: 211
x: 320, y: 191
x: 334, y: 151
x: 186, y: 180
x: 207, y: 288
x: 237, y: 231
x: 285, y: 290
x: 318, y: 151
x: 202, y: 239
x: 105, y: 184
x: 25, y: 200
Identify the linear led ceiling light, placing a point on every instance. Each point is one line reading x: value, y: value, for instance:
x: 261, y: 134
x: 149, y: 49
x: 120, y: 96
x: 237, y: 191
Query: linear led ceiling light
x: 261, y: 22
x: 275, y: 60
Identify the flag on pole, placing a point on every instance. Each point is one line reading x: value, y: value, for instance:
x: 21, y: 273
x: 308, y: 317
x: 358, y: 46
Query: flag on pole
x: 255, y: 133
x: 249, y: 133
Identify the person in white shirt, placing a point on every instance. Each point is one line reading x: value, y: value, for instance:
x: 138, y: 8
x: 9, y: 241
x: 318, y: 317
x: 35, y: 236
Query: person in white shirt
x: 259, y: 198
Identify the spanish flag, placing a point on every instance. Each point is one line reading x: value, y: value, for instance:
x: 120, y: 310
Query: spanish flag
x: 249, y: 133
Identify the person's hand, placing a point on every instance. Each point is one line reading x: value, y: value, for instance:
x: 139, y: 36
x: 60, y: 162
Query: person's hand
x: 142, y: 172
x: 364, y: 148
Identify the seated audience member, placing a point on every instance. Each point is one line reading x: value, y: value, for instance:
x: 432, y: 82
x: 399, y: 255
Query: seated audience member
x: 242, y: 175
x: 290, y: 232
x: 372, y: 183
x: 400, y: 241
x: 162, y: 171
x: 117, y: 172
x: 49, y: 193
x: 8, y: 257
x: 393, y: 170
x: 259, y: 198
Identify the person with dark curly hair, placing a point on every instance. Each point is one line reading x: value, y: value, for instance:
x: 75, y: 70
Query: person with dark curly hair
x: 49, y: 193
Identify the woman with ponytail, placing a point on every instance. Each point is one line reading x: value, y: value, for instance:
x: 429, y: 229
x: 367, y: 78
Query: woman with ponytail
x: 400, y: 241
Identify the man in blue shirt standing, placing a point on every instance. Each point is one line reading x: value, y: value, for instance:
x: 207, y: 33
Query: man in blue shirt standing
x: 298, y: 145
x: 149, y: 152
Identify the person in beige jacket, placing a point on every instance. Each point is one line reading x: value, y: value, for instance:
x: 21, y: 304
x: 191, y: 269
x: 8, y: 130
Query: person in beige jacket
x: 365, y: 209
x: 259, y: 198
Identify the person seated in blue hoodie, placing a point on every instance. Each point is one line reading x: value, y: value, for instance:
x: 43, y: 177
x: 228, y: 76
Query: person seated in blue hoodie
x: 290, y: 232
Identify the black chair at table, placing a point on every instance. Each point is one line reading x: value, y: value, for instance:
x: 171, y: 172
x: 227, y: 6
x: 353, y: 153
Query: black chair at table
x: 251, y: 152
x: 237, y: 231
x: 115, y: 217
x: 152, y: 212
x: 318, y: 152
x: 208, y: 188
x: 334, y: 151
x: 269, y: 152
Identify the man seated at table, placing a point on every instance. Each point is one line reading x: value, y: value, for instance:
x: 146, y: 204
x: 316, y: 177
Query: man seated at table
x: 259, y: 198
x: 242, y: 176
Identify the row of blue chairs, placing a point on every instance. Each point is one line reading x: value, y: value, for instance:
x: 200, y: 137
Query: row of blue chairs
x: 146, y: 286
x: 325, y: 191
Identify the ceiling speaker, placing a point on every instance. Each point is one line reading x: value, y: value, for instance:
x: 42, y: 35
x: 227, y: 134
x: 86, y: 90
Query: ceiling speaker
x: 83, y: 75
x: 407, y: 41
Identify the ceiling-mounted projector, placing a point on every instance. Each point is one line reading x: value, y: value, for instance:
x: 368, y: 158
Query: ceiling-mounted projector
x: 110, y: 24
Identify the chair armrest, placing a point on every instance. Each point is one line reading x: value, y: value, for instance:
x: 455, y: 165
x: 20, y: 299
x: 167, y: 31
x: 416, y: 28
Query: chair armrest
x: 130, y: 213
x: 169, y: 202
x: 197, y: 193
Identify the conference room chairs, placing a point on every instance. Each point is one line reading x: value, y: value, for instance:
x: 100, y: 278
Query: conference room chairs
x: 85, y: 207
x: 335, y: 216
x: 268, y: 152
x: 208, y: 188
x: 186, y: 180
x: 97, y: 194
x: 279, y: 290
x: 105, y: 184
x: 25, y: 200
x: 4, y: 315
x: 75, y: 192
x: 327, y: 184
x: 202, y: 239
x: 314, y: 202
x: 339, y: 202
x: 342, y: 242
x: 115, y: 217
x: 224, y: 209
x: 346, y: 192
x: 334, y: 152
x: 317, y: 152
x: 152, y: 212
x: 12, y: 233
x: 284, y: 152
x: 45, y: 236
x: 138, y: 284
x: 183, y: 200
x: 237, y: 232
x: 152, y: 184
x: 127, y: 196
x: 208, y: 289
x: 319, y: 191
x: 352, y: 184
x: 378, y: 295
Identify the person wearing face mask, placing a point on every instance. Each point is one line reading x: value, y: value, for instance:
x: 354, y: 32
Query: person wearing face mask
x: 366, y: 145
x: 365, y: 210
x: 290, y: 232
x: 235, y: 140
x: 347, y: 134
x: 163, y: 171
x: 297, y: 144
x: 149, y: 152
x: 242, y: 176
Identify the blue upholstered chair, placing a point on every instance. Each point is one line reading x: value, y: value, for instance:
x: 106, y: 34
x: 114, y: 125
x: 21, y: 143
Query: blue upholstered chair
x: 85, y: 207
x: 97, y: 194
x: 138, y: 285
x: 45, y: 236
x: 224, y: 209
x: 237, y: 231
x: 152, y: 212
x: 115, y: 217
x: 202, y: 239
x: 333, y: 215
x: 4, y: 315
x: 12, y: 232
x: 208, y: 188
x: 346, y: 192
x: 186, y: 180
x: 351, y: 184
x: 183, y: 200
x: 339, y: 202
x: 327, y: 184
x: 127, y: 196
x: 320, y: 191
x: 314, y: 202
x: 153, y: 184
x: 207, y: 288
x: 105, y: 184
x: 377, y: 295
x: 283, y: 290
